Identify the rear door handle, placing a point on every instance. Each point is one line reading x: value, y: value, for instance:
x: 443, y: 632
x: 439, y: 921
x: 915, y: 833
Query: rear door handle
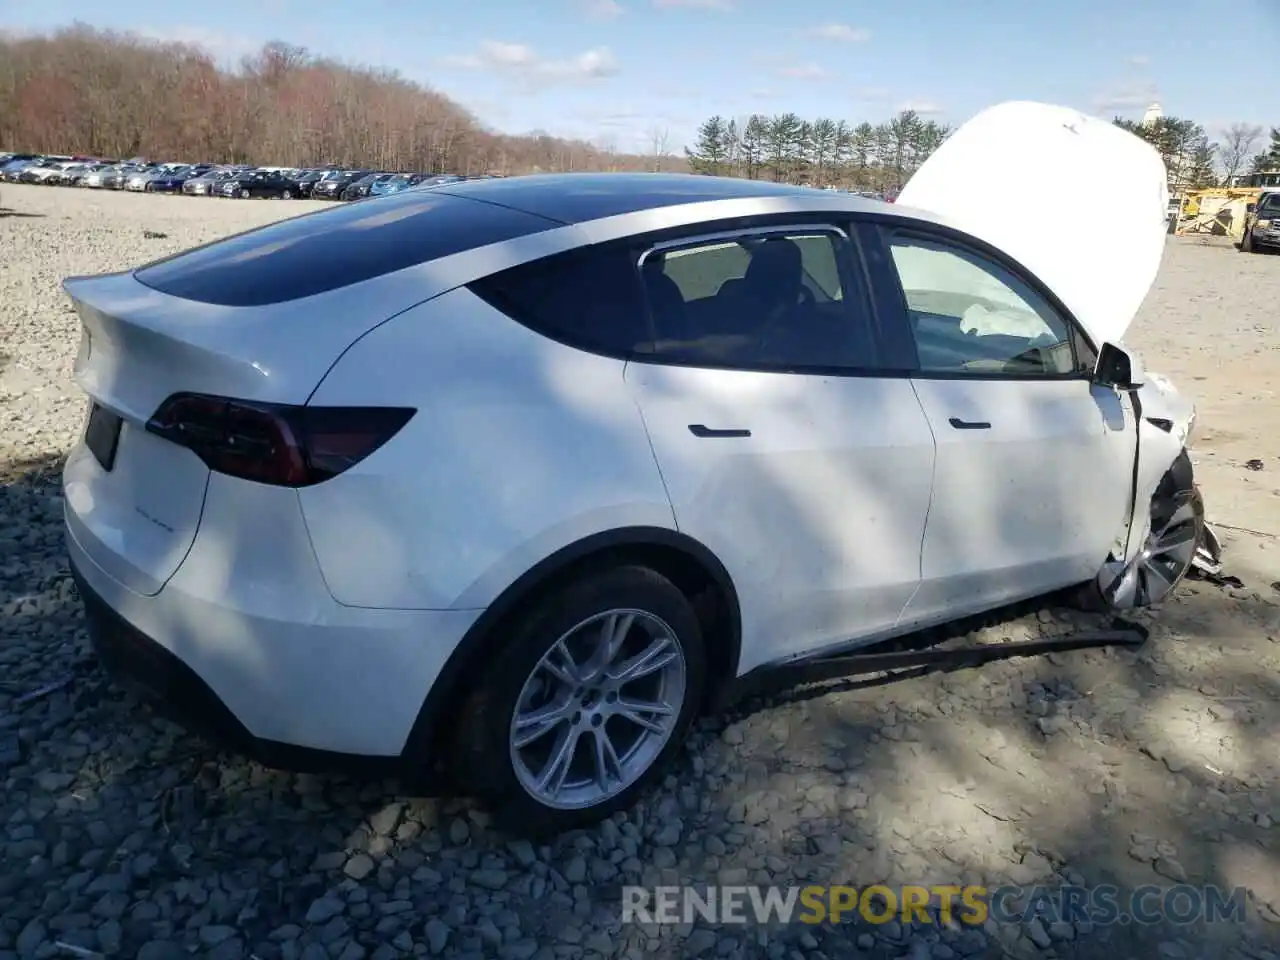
x: 969, y: 424
x: 698, y: 430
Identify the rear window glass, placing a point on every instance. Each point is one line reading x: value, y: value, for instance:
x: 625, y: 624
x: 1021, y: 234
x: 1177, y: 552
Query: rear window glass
x: 589, y: 298
x: 335, y: 248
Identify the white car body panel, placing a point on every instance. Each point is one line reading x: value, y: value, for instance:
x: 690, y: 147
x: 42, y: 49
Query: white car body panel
x: 138, y: 521
x: 520, y: 446
x: 1102, y: 276
x: 983, y: 179
x: 1027, y: 506
x: 249, y: 613
x: 817, y: 515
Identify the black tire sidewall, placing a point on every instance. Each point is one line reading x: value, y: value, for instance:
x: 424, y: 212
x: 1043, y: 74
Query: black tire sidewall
x: 481, y: 758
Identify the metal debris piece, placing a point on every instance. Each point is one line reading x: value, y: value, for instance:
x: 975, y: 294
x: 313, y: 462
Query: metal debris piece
x: 78, y: 951
x: 1208, y: 556
x: 52, y: 686
x: 1206, y: 565
x: 1254, y: 464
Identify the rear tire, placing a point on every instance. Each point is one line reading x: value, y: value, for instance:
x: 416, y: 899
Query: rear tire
x: 533, y: 704
x: 1176, y: 514
x: 286, y: 195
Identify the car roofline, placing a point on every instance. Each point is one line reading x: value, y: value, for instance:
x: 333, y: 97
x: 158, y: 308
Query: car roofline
x: 683, y: 215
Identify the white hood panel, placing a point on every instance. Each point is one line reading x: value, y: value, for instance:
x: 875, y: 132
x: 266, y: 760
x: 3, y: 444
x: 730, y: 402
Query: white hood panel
x: 1075, y: 199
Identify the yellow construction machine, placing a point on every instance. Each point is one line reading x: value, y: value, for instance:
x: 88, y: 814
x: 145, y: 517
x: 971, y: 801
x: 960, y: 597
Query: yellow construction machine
x: 1219, y: 211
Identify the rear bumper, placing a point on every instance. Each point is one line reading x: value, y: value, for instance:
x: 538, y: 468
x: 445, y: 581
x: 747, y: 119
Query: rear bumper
x: 245, y: 645
x: 175, y: 691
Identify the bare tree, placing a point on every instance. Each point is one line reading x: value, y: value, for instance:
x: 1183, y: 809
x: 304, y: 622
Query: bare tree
x: 83, y: 90
x: 1236, y: 149
x: 659, y: 146
x: 607, y: 145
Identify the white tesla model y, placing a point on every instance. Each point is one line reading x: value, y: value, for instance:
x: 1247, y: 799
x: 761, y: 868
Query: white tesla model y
x: 512, y: 476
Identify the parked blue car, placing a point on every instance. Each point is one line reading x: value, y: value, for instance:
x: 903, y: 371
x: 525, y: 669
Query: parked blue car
x: 403, y: 181
x: 439, y: 180
x: 171, y: 181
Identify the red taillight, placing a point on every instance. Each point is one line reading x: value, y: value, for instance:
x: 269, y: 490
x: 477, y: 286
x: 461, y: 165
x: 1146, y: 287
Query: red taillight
x: 286, y: 446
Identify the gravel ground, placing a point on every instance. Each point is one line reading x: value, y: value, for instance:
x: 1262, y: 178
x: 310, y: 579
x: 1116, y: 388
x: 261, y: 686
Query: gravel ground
x: 124, y: 836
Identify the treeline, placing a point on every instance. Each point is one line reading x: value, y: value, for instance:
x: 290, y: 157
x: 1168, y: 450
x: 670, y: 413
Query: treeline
x: 883, y: 157
x: 821, y: 152
x: 1190, y: 157
x: 1195, y: 160
x: 86, y: 91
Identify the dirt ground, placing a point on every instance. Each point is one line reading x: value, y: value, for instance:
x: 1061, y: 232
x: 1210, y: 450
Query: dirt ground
x: 124, y: 836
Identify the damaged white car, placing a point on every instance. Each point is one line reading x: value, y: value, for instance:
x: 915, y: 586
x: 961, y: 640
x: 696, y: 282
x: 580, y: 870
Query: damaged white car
x: 510, y: 478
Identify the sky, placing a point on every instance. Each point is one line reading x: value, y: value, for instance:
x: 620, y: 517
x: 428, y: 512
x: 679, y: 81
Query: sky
x: 642, y: 74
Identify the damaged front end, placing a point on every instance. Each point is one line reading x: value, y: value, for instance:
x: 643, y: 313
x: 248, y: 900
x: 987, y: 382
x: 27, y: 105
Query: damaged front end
x: 1166, y: 536
x: 1175, y: 415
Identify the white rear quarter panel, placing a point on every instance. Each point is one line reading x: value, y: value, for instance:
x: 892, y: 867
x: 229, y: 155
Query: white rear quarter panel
x: 520, y: 446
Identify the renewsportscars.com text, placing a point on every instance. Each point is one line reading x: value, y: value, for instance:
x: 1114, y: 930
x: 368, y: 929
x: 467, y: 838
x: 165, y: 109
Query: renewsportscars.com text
x: 967, y: 905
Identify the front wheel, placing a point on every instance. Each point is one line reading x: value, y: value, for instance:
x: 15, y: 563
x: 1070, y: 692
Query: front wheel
x: 244, y: 194
x: 1246, y: 242
x: 1175, y: 532
x: 586, y: 703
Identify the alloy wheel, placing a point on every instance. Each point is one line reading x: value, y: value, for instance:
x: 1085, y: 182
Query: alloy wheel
x: 598, y: 709
x: 1166, y: 556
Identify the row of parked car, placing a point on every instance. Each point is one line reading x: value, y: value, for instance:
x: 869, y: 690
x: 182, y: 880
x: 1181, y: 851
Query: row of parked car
x: 214, y: 180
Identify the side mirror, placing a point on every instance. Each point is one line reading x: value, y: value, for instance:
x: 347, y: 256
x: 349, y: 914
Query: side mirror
x: 1250, y: 207
x: 1117, y: 368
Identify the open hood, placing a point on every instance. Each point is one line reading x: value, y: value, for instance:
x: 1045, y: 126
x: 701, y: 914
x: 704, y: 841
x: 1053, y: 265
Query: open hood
x: 1078, y: 201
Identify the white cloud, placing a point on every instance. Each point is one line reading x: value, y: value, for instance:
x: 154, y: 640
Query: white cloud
x: 872, y: 94
x: 802, y: 71
x: 841, y: 32
x: 694, y: 4
x: 520, y: 60
x: 603, y: 9
x: 923, y: 107
x: 225, y: 46
x: 1139, y: 60
x: 1129, y: 97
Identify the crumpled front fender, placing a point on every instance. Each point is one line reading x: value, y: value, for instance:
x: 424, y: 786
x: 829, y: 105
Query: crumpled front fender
x: 1164, y: 429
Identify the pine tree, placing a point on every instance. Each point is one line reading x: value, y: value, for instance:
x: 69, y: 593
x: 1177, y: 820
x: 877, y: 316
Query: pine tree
x: 784, y: 133
x: 1202, y: 170
x: 712, y: 149
x: 755, y: 133
x: 823, y: 139
x: 732, y: 148
x: 1272, y: 153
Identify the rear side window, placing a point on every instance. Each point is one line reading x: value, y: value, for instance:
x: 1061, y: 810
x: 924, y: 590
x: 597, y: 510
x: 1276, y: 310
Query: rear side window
x: 589, y: 298
x: 775, y: 301
x: 335, y: 248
